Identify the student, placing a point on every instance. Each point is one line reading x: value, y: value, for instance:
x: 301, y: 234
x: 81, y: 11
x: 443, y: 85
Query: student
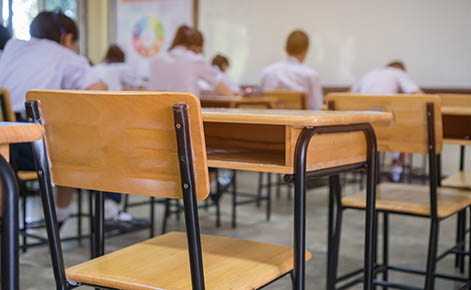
x: 221, y: 64
x: 179, y: 69
x: 47, y: 61
x: 390, y: 80
x: 4, y: 37
x: 115, y: 73
x: 292, y: 74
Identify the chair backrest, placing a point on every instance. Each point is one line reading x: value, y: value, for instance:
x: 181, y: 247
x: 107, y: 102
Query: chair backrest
x: 7, y: 114
x: 408, y: 131
x: 120, y: 142
x: 455, y: 100
x: 288, y: 100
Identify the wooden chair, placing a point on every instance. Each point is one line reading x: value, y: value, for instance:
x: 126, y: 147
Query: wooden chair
x: 144, y: 143
x: 416, y: 128
x: 288, y: 100
x: 456, y: 131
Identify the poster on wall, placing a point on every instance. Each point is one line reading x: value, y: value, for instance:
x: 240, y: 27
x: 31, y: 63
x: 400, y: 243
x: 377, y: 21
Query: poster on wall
x: 147, y: 27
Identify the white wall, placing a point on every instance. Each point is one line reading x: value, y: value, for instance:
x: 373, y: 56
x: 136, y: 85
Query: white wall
x: 348, y: 38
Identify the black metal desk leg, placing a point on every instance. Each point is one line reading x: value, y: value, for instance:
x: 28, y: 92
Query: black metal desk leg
x: 300, y: 208
x: 10, y: 228
x: 370, y: 214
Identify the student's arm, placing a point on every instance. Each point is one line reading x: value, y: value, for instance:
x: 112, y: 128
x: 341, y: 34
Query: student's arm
x: 98, y: 86
x: 407, y: 84
x: 223, y: 90
x: 215, y: 78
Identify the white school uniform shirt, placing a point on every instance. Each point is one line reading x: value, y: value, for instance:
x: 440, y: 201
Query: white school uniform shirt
x: 386, y: 81
x: 291, y: 74
x: 41, y: 64
x: 118, y: 75
x: 204, y: 85
x: 179, y: 70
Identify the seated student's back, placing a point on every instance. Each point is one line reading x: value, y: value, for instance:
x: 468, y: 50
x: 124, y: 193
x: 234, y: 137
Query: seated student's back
x: 47, y: 61
x: 179, y: 69
x: 115, y: 72
x: 392, y: 79
x: 292, y: 74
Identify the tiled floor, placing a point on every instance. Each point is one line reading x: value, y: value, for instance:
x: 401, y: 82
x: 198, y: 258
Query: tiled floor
x: 409, y: 237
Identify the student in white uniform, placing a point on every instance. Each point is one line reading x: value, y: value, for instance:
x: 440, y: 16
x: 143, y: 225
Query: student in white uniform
x: 221, y: 64
x: 291, y: 74
x: 390, y: 80
x: 47, y: 61
x: 179, y: 69
x: 115, y: 72
x: 4, y: 37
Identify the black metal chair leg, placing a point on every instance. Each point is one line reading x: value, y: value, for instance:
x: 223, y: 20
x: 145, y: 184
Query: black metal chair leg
x: 152, y: 217
x: 24, y: 247
x: 432, y: 256
x: 463, y: 240
x: 469, y: 249
x: 385, y: 247
x: 330, y: 281
x: 234, y: 201
x: 334, y: 182
x: 79, y: 216
x: 91, y: 225
x: 268, y: 209
x: 126, y: 202
x: 166, y: 215
x: 259, y: 189
x: 278, y: 186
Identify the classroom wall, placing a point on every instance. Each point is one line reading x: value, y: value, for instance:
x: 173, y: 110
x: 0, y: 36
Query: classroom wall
x: 348, y: 38
x: 97, y: 29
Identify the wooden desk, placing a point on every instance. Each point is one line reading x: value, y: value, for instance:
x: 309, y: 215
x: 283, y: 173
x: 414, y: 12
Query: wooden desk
x: 298, y: 143
x: 12, y: 133
x: 237, y: 102
x: 456, y: 125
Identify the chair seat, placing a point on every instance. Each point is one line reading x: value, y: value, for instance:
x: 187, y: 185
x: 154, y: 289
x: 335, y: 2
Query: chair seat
x: 163, y: 263
x: 460, y: 180
x: 27, y: 175
x: 412, y: 199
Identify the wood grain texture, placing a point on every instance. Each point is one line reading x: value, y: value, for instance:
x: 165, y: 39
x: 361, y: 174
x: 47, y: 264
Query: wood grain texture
x: 163, y: 263
x: 407, y: 132
x: 8, y: 107
x: 19, y: 132
x: 120, y: 141
x: 412, y: 199
x: 454, y: 141
x: 301, y: 118
x: 288, y: 100
x: 460, y: 180
x: 455, y: 101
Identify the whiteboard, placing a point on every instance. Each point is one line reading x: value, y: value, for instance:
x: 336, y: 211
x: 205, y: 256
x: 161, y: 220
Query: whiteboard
x: 348, y: 38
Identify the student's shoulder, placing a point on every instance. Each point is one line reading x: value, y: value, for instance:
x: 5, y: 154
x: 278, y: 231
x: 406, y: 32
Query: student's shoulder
x: 273, y: 67
x: 308, y: 71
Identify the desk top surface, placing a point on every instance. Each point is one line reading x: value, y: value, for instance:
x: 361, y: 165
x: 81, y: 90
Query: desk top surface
x: 302, y: 118
x: 19, y: 132
x: 455, y: 110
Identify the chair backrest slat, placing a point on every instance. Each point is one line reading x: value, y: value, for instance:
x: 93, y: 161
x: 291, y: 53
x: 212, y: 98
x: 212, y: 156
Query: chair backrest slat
x: 120, y: 142
x: 288, y: 99
x: 407, y: 132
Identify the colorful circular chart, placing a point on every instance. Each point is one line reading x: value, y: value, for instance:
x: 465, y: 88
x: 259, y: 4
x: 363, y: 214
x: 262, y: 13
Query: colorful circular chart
x: 148, y: 36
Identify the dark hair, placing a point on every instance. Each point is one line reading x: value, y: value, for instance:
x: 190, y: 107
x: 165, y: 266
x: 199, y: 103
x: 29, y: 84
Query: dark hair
x: 114, y: 54
x: 52, y: 26
x: 397, y: 64
x: 187, y: 36
x: 297, y: 42
x: 220, y: 60
x: 4, y: 36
